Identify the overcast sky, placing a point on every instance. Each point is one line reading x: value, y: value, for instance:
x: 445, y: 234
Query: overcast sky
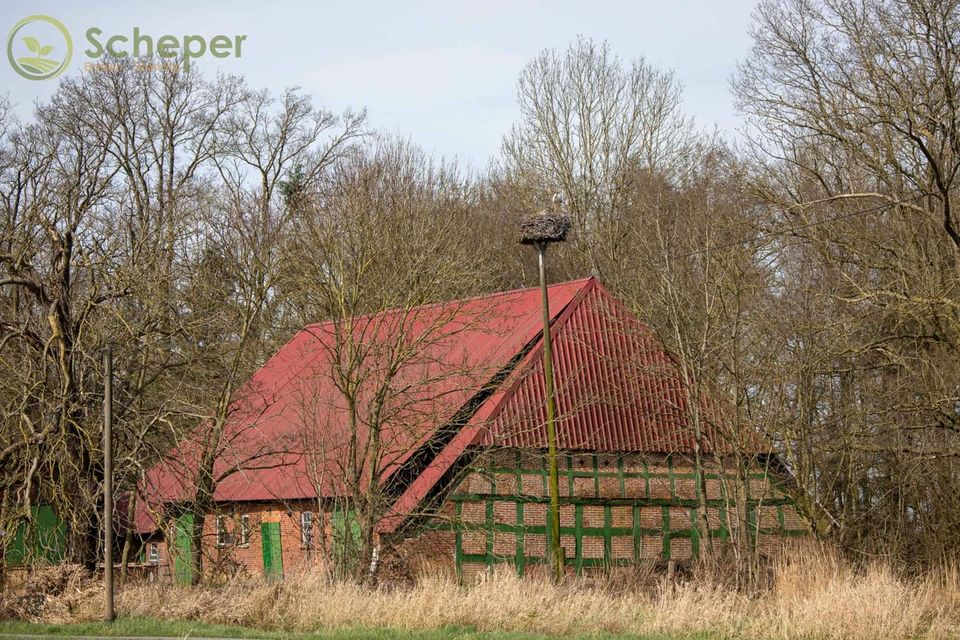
x: 443, y: 73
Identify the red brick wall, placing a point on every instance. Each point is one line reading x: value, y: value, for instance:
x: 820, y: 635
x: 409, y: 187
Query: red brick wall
x: 662, y: 494
x: 231, y: 558
x: 499, y: 478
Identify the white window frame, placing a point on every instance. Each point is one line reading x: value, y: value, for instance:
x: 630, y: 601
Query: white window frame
x: 306, y: 529
x: 153, y: 554
x: 224, y: 537
x: 243, y: 538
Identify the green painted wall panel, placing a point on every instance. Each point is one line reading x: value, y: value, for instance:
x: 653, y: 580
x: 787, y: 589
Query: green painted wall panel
x: 41, y: 540
x: 183, y: 549
x: 683, y: 528
x: 347, y: 537
x: 271, y: 549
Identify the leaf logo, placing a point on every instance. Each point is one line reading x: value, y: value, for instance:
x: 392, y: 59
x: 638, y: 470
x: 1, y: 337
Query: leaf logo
x: 39, y: 47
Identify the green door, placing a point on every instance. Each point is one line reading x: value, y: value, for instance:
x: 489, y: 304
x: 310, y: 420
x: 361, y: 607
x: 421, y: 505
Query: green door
x: 346, y: 538
x: 182, y: 546
x: 272, y: 550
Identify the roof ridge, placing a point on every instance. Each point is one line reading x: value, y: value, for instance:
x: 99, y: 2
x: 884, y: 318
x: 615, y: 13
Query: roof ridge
x: 318, y: 325
x: 429, y: 305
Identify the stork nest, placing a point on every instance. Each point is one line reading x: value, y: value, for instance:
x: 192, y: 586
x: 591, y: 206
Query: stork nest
x: 542, y: 227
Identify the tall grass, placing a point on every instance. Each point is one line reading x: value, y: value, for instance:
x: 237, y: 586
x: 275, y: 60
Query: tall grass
x: 812, y: 596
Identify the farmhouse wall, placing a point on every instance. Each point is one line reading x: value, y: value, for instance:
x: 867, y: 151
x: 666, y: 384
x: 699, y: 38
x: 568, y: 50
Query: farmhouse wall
x: 616, y: 510
x: 236, y: 556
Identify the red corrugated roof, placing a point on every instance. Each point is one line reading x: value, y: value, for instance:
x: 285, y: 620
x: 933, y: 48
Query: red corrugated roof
x: 617, y: 390
x: 290, y: 418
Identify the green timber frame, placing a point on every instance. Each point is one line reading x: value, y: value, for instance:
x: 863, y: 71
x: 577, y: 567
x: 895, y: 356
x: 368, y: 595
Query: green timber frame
x: 613, y: 530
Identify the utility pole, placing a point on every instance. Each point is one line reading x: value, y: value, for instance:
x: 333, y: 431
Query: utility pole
x: 557, y: 553
x: 108, y: 483
x: 540, y: 230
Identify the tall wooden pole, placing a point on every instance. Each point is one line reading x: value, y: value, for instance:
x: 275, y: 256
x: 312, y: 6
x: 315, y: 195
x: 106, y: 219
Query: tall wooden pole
x: 108, y: 483
x: 556, y: 550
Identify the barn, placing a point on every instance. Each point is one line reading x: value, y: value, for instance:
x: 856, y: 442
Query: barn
x: 461, y: 473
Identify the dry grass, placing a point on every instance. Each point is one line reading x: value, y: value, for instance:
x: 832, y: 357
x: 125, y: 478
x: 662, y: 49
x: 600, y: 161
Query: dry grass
x: 818, y: 597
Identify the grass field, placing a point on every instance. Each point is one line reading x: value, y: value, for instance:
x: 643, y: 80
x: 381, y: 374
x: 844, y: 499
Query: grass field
x: 187, y: 629
x: 814, y: 596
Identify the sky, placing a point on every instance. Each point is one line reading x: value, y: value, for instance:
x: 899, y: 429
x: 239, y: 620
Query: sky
x: 442, y: 73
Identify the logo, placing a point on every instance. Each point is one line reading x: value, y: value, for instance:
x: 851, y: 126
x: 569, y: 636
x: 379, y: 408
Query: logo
x: 39, y: 47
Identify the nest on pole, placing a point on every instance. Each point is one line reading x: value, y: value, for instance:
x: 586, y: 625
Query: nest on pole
x: 543, y: 227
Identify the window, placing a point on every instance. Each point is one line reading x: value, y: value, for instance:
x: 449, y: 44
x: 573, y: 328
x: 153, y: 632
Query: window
x: 153, y: 553
x: 306, y: 529
x: 224, y: 537
x: 244, y: 530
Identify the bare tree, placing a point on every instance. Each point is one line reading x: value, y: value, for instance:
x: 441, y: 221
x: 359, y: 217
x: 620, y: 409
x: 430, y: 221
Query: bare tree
x: 52, y: 280
x: 859, y: 97
x: 266, y: 145
x: 854, y: 130
x: 590, y: 128
x: 384, y: 239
